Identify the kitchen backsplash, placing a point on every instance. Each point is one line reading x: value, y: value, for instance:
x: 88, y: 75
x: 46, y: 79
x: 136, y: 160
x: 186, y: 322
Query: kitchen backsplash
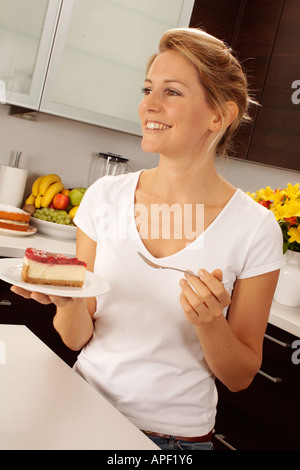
x: 57, y: 145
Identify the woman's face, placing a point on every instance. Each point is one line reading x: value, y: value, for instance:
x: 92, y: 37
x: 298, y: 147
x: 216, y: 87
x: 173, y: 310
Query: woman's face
x: 176, y: 118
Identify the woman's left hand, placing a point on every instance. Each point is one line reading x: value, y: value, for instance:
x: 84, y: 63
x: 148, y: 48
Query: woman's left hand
x: 203, y: 299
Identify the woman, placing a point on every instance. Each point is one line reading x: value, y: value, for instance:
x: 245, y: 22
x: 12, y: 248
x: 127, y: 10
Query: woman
x: 155, y: 342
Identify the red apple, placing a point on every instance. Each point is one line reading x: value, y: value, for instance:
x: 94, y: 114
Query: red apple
x: 61, y: 201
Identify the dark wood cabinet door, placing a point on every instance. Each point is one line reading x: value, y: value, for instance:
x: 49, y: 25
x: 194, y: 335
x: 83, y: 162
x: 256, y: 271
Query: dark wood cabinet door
x: 276, y: 134
x: 254, y: 44
x: 265, y: 35
x: 265, y: 416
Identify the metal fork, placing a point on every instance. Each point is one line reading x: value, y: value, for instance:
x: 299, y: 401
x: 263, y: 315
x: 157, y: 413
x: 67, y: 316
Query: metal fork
x: 158, y: 266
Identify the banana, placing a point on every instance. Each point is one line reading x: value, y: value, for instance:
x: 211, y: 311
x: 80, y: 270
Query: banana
x: 53, y: 189
x: 46, y: 182
x: 36, y: 185
x: 38, y: 201
x: 30, y: 199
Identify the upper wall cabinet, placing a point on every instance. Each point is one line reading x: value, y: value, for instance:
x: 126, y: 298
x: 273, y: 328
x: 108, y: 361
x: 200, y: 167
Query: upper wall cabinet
x: 265, y: 36
x: 276, y: 134
x: 97, y: 67
x: 27, y: 29
x: 83, y: 59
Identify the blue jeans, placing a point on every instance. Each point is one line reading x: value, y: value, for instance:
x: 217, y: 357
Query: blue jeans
x: 174, y: 444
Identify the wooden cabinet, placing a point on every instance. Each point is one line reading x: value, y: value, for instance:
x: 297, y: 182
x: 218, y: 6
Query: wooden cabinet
x: 266, y: 416
x: 265, y: 36
x: 276, y: 134
x: 15, y: 310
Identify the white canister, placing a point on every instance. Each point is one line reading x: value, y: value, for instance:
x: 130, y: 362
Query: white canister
x: 12, y: 185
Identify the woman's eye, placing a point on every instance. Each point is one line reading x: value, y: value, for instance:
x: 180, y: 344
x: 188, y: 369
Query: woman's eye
x: 146, y: 91
x: 172, y: 92
x: 168, y: 92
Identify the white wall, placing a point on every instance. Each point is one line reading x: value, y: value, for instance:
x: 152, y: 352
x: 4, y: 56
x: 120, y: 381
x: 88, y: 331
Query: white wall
x: 250, y: 176
x: 56, y: 145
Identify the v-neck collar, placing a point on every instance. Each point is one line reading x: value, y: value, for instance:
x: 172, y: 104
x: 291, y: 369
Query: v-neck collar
x: 197, y: 241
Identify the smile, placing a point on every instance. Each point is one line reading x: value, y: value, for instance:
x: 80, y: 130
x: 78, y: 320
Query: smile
x: 156, y: 126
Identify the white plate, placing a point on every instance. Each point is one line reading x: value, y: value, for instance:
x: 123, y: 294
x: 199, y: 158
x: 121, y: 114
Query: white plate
x: 30, y: 231
x: 52, y: 229
x: 10, y: 271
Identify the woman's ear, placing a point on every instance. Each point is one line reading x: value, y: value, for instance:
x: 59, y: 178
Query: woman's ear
x: 216, y: 123
x: 231, y: 112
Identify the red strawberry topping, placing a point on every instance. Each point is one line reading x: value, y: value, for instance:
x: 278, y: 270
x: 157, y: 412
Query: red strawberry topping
x: 51, y: 258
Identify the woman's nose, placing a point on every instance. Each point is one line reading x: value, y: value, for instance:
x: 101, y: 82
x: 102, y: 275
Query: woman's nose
x: 152, y: 102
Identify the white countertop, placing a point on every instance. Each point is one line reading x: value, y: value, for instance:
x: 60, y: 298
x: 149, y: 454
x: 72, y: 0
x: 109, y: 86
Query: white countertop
x: 287, y: 318
x: 46, y: 405
x: 14, y: 246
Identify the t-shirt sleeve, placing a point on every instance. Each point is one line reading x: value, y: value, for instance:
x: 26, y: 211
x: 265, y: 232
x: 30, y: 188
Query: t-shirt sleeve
x: 85, y: 215
x: 265, y: 251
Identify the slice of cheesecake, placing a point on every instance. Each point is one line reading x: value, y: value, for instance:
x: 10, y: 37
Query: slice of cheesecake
x: 41, y: 267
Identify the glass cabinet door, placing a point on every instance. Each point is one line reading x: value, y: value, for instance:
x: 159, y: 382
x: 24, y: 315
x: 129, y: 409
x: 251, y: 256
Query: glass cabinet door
x: 27, y: 30
x: 97, y: 68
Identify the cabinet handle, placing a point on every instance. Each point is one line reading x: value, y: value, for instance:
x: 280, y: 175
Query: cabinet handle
x: 221, y: 439
x: 5, y: 303
x: 276, y: 380
x: 277, y: 341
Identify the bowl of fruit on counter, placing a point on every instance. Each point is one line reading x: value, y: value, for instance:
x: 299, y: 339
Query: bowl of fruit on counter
x: 53, y: 207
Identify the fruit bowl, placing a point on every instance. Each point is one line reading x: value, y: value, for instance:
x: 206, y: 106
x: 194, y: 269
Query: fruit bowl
x: 67, y: 232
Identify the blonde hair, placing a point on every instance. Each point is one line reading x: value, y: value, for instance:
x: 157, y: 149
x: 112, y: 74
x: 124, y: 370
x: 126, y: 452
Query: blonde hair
x: 220, y: 74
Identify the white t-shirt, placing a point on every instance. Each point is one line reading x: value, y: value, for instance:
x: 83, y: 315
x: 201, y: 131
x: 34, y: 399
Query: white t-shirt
x: 144, y: 356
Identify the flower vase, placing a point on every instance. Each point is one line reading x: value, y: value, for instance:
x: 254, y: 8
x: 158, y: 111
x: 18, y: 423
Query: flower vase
x: 288, y: 287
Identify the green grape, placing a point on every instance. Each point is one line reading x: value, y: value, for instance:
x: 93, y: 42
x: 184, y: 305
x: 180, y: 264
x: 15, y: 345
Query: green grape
x: 53, y: 215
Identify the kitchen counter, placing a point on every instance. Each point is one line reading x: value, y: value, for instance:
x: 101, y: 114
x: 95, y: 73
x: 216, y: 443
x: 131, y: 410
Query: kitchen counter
x: 15, y: 246
x: 46, y: 405
x: 287, y: 318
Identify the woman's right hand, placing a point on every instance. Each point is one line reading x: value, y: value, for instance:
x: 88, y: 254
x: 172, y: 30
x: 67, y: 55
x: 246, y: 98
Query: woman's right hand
x: 41, y: 298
